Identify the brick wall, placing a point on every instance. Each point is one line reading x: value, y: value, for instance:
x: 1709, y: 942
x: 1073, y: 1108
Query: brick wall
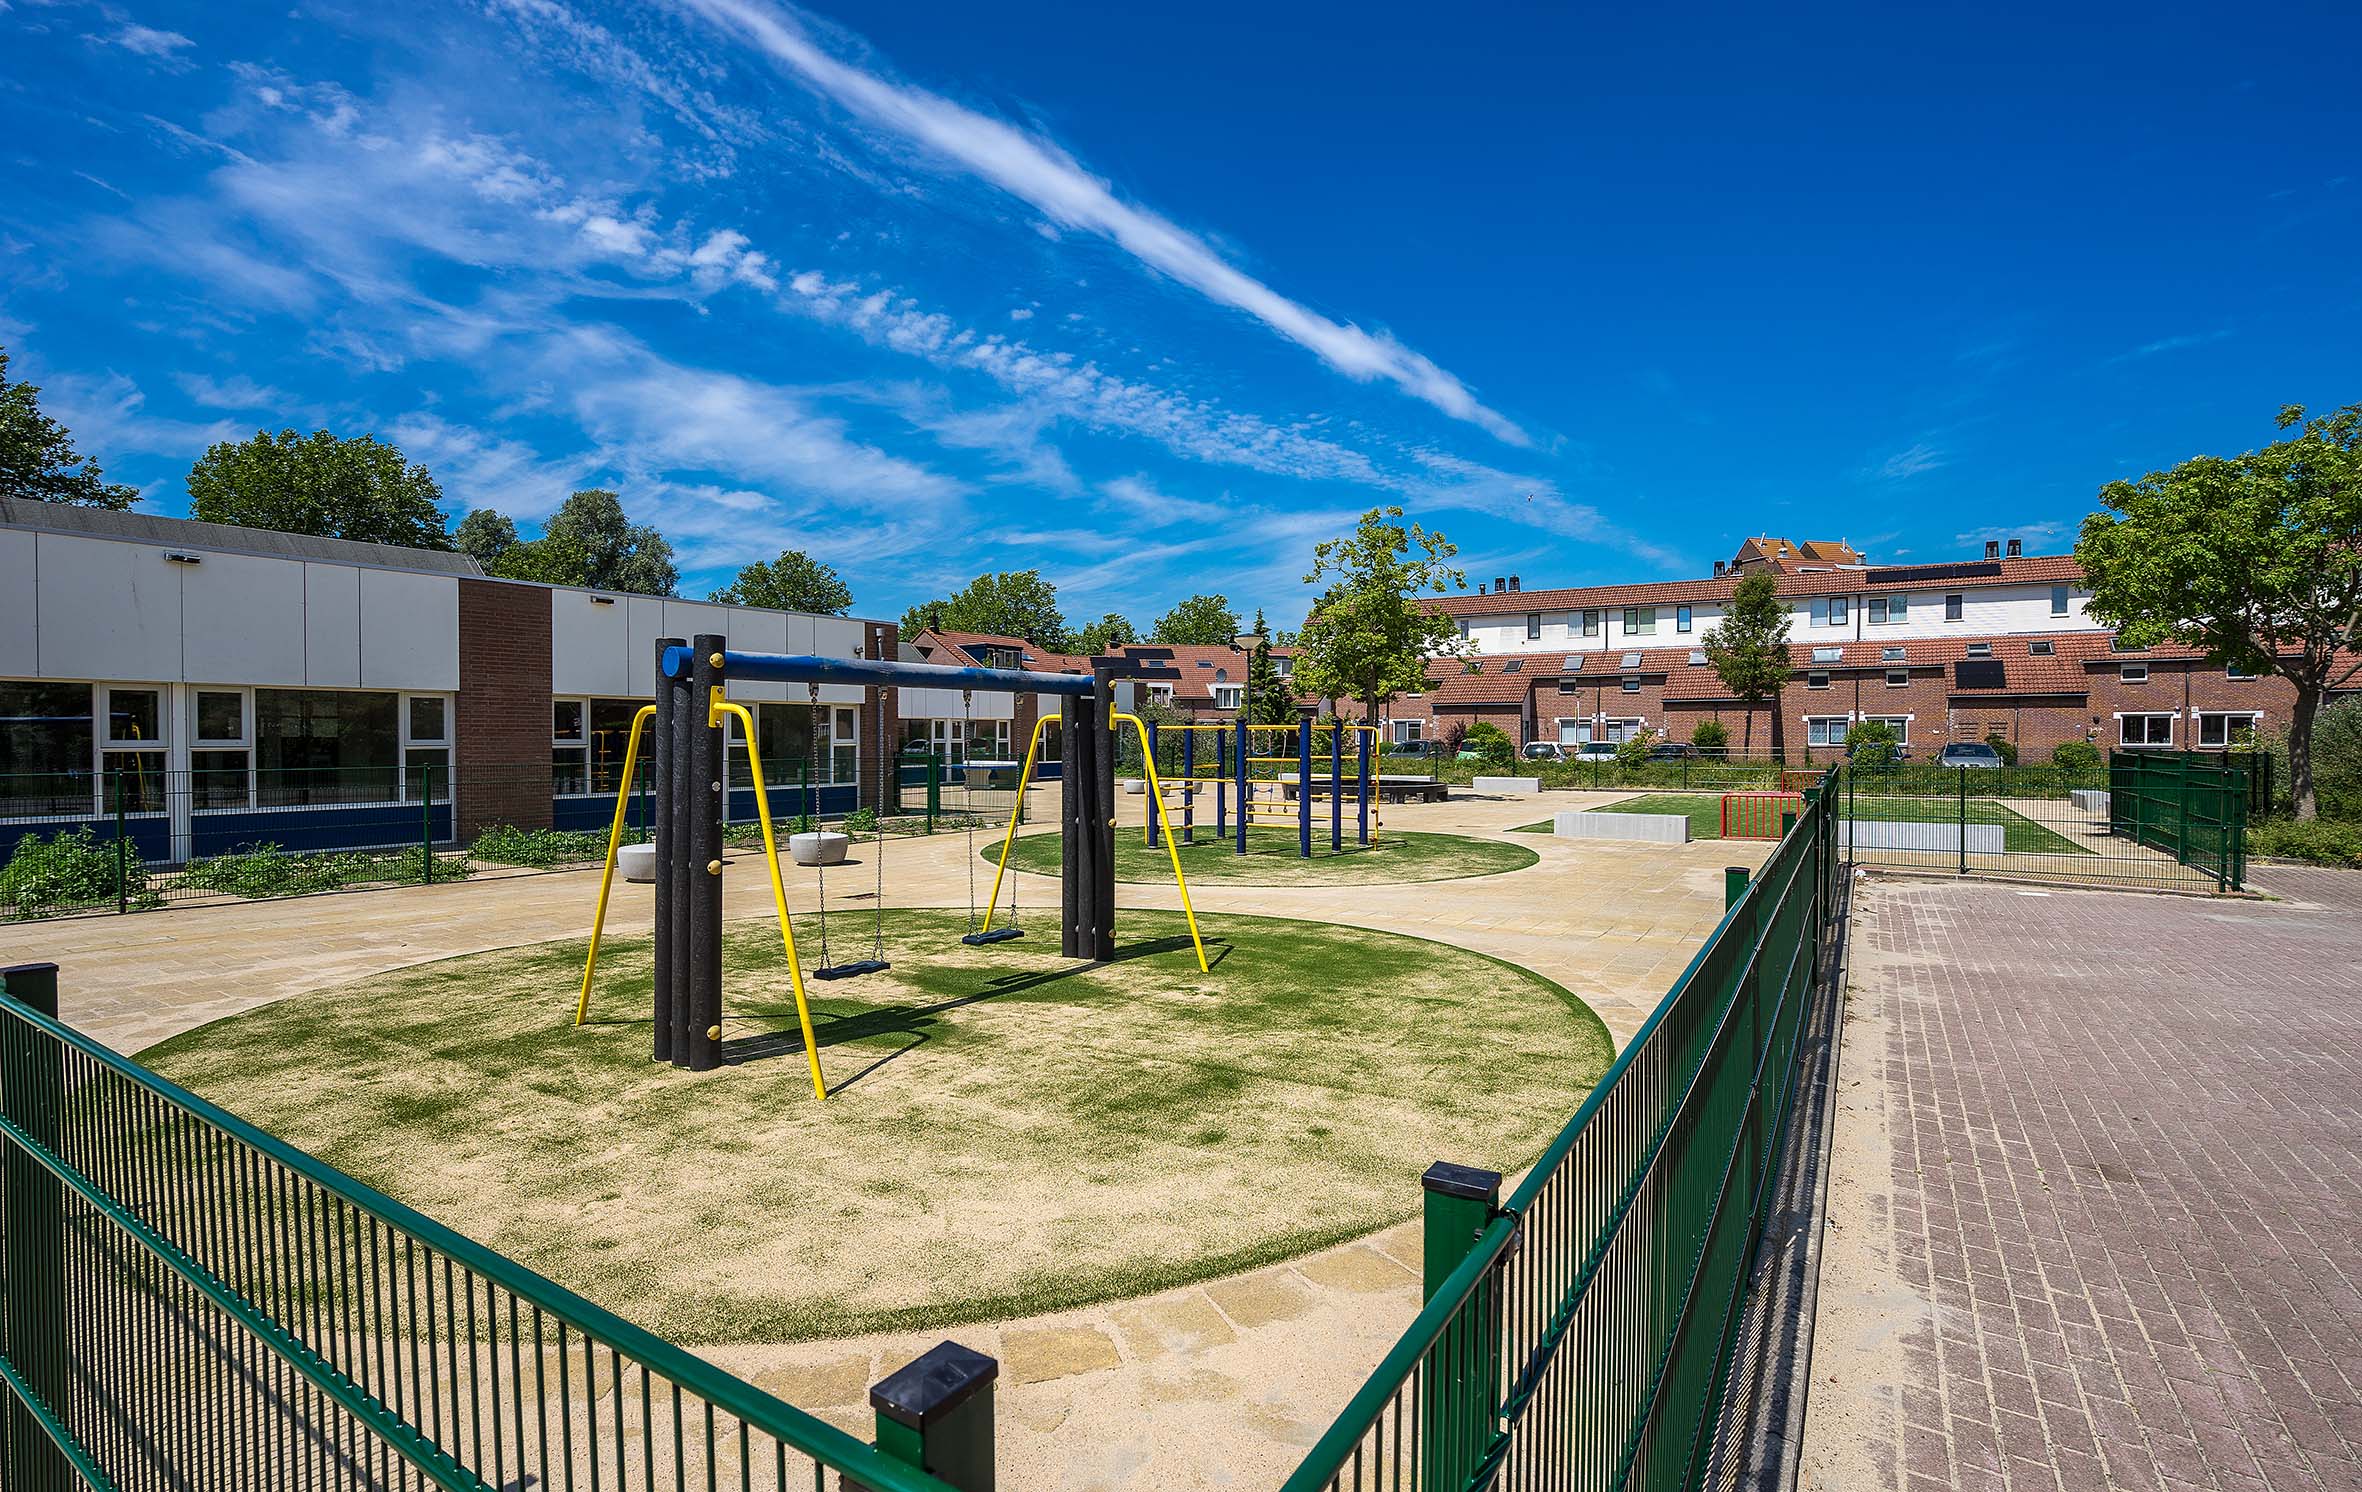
x: 503, y: 707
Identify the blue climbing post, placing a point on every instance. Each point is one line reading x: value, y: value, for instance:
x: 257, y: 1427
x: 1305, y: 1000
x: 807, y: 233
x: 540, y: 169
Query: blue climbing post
x: 1362, y: 753
x: 1238, y: 762
x: 1304, y: 787
x: 1155, y: 833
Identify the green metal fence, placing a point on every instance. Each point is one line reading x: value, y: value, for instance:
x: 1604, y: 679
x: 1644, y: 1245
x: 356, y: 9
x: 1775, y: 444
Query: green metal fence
x: 191, y: 1303
x: 1578, y: 1335
x: 2190, y: 806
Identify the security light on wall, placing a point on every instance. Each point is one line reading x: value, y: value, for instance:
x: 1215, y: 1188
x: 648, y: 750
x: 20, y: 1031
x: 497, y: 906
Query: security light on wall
x: 183, y: 559
x: 602, y: 600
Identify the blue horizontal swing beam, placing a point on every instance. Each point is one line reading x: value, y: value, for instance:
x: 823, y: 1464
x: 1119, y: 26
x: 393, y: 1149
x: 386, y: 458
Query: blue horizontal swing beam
x: 806, y: 668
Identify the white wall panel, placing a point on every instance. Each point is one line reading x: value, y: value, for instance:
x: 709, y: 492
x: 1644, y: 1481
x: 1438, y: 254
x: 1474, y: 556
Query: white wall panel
x: 752, y: 631
x: 107, y: 610
x: 20, y: 610
x: 646, y: 615
x: 332, y: 626
x: 242, y: 620
x: 410, y: 631
x: 944, y: 704
x: 590, y: 645
x: 839, y: 637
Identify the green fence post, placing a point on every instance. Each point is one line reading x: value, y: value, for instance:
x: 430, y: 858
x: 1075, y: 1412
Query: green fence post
x: 1734, y: 885
x: 426, y: 821
x: 934, y: 789
x: 32, y: 1233
x: 1964, y: 821
x: 122, y: 849
x: 1463, y: 1397
x: 935, y: 1414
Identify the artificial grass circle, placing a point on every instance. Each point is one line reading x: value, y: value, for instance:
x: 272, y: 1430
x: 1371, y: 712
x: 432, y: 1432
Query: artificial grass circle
x: 1393, y: 857
x: 1008, y: 1132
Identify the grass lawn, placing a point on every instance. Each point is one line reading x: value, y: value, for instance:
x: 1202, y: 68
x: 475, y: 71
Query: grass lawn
x: 2019, y: 835
x: 1009, y: 1132
x: 1271, y: 858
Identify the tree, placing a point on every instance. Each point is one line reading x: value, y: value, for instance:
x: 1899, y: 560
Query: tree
x: 1749, y: 651
x: 1491, y: 744
x: 319, y: 484
x: 38, y: 462
x: 484, y: 536
x: 1872, y: 743
x: 1201, y: 621
x: 793, y: 582
x: 1103, y: 636
x: 1268, y: 701
x: 1368, y: 638
x: 617, y: 554
x: 2256, y: 560
x: 1011, y: 603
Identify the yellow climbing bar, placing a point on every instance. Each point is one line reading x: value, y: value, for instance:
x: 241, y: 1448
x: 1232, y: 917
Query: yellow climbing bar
x: 1172, y: 852
x: 623, y: 797
x: 716, y: 708
x: 1009, y: 836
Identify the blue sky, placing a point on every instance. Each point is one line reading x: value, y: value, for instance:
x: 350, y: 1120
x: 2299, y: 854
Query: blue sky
x: 1153, y: 297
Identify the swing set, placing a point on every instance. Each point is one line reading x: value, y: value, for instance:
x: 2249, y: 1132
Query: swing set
x: 691, y: 747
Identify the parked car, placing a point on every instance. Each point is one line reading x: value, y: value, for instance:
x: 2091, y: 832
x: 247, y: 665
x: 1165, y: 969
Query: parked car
x: 1969, y: 754
x: 1544, y: 751
x: 1412, y: 748
x: 1596, y: 751
x: 1672, y: 751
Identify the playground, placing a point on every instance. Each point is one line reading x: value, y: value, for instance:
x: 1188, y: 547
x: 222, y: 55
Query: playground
x: 1272, y: 859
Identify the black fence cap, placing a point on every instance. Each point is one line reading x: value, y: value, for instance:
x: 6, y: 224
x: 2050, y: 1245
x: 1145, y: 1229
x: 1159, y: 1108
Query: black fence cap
x: 932, y: 1385
x: 1462, y: 1181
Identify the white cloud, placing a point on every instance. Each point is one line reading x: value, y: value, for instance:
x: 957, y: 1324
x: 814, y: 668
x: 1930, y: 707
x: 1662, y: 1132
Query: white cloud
x: 2171, y: 344
x: 155, y: 45
x: 1043, y: 174
x: 235, y: 392
x: 109, y: 417
x: 481, y: 470
x: 1914, y: 461
x: 2042, y: 532
x: 1021, y: 314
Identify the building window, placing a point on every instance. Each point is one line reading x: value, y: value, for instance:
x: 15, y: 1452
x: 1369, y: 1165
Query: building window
x: 2058, y: 600
x: 46, y: 744
x: 1226, y: 696
x: 219, y: 761
x: 1899, y: 724
x: 426, y: 745
x: 2134, y: 673
x: 568, y: 773
x: 1896, y: 678
x: 1826, y: 730
x: 1533, y: 626
x: 1877, y: 611
x: 2221, y: 731
x: 1898, y: 608
x: 134, y: 757
x: 1681, y: 619
x: 1816, y: 680
x: 2145, y: 730
x: 1409, y: 730
x: 1639, y: 621
x: 1697, y: 657
x: 2040, y: 648
x: 1632, y: 686
x: 1890, y: 655
x: 2234, y: 672
x: 1952, y: 607
x: 1827, y: 654
x: 326, y: 746
x: 1591, y: 622
x: 1980, y: 650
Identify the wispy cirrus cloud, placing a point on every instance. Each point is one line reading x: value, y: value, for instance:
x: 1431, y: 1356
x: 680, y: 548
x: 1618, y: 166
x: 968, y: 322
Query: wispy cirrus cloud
x: 1044, y: 175
x: 1912, y: 461
x: 2176, y: 343
x: 234, y: 392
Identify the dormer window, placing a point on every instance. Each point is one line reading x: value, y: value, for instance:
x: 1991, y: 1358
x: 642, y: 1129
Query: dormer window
x: 2040, y: 648
x: 1629, y: 660
x: 1890, y: 655
x: 1827, y: 655
x: 1980, y: 650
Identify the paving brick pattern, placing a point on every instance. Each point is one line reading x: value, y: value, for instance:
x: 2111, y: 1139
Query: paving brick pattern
x: 2119, y: 1234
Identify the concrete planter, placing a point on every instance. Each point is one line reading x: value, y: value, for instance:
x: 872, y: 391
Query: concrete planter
x: 1651, y: 828
x: 636, y: 861
x: 1516, y: 786
x: 2090, y: 799
x: 1135, y: 785
x: 825, y: 847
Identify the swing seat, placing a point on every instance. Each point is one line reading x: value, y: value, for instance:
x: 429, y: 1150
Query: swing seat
x: 1002, y: 935
x: 852, y: 970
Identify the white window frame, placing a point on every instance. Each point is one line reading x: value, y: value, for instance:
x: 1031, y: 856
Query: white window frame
x: 442, y: 743
x: 1683, y: 618
x: 1898, y: 678
x: 1407, y: 731
x: 199, y: 741
x: 1632, y: 686
x: 1817, y: 679
x: 2132, y: 673
x: 111, y: 753
x: 2223, y: 718
x: 1898, y: 608
x: 2231, y: 672
x: 2168, y: 716
x: 1822, y: 725
x: 1229, y: 696
x: 1900, y: 724
x: 1640, y: 621
x: 1877, y: 611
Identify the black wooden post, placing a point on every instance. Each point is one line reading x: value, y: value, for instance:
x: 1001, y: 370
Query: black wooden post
x: 701, y: 1028
x: 1073, y: 787
x: 667, y: 838
x: 1102, y: 829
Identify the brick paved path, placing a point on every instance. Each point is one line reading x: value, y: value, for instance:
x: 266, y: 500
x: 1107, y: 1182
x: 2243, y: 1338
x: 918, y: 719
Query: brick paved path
x: 2096, y: 1209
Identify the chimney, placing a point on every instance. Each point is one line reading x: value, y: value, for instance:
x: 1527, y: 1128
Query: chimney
x: 1992, y: 549
x: 2017, y: 548
x: 1513, y: 582
x: 1480, y: 587
x: 1500, y: 584
x: 1719, y: 567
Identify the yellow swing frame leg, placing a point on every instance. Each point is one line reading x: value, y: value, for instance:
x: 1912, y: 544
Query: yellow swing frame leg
x: 631, y: 758
x: 1156, y: 793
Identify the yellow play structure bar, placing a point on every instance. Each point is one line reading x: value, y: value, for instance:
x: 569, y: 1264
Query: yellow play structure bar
x: 1164, y: 819
x: 1009, y: 837
x: 716, y: 708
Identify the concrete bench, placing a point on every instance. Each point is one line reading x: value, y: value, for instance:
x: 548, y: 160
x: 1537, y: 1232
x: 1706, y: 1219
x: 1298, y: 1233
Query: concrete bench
x: 1652, y: 828
x: 1390, y: 789
x: 2091, y: 800
x: 1879, y: 834
x: 1511, y: 785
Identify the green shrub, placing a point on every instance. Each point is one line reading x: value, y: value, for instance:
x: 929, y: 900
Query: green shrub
x: 861, y: 822
x: 2007, y: 747
x: 506, y: 844
x: 2075, y: 756
x: 2322, y: 841
x: 71, y: 871
x: 1709, y: 735
x: 1872, y: 743
x: 1491, y: 744
x: 1632, y: 751
x: 266, y: 870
